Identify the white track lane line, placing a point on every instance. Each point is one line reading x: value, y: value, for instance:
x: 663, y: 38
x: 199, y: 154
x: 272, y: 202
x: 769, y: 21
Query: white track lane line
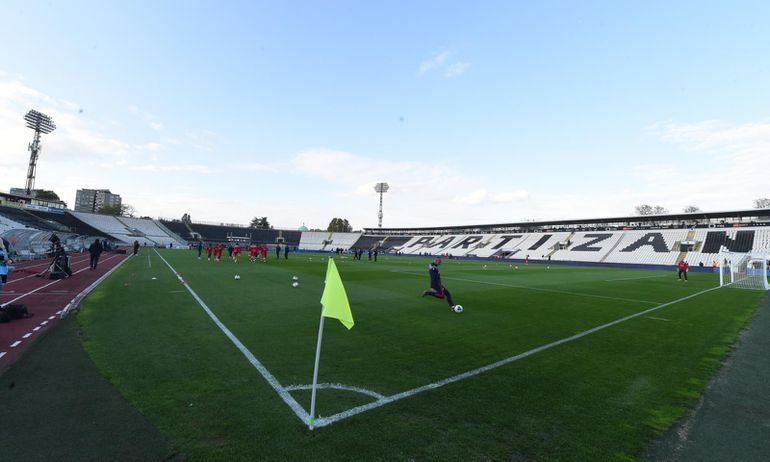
x: 16, y: 343
x: 2, y: 353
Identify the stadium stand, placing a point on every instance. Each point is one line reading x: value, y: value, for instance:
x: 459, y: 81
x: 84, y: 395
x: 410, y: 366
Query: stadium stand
x: 70, y: 222
x: 590, y: 246
x: 391, y: 242
x: 31, y: 221
x: 6, y: 224
x: 150, y: 230
x: 314, y: 240
x: 343, y: 241
x: 367, y: 242
x: 178, y: 228
x: 648, y: 247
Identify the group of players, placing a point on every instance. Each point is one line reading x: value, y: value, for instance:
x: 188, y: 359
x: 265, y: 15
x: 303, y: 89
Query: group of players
x: 256, y: 252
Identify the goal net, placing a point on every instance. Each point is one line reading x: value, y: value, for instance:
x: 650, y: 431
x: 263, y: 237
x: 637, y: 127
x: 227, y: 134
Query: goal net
x: 743, y: 270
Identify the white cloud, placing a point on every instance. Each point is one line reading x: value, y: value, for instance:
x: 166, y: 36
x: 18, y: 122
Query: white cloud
x: 456, y: 69
x: 434, y: 62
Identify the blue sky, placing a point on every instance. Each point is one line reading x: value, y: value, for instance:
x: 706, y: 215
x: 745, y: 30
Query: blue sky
x: 474, y: 112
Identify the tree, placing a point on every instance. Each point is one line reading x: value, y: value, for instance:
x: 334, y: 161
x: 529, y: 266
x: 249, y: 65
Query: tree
x: 646, y: 209
x: 124, y: 210
x: 691, y: 209
x: 762, y: 203
x: 260, y: 223
x: 45, y: 195
x: 339, y: 225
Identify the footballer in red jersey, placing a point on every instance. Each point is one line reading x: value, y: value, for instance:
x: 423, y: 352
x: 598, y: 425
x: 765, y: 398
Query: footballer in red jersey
x: 253, y: 251
x: 236, y: 252
x: 683, y: 267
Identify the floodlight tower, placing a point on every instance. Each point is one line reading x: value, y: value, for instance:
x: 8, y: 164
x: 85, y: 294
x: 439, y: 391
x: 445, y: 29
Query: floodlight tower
x: 41, y: 123
x: 381, y: 188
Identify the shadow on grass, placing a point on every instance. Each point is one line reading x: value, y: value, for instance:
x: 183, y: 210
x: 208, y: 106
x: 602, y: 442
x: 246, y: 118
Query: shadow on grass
x: 55, y: 405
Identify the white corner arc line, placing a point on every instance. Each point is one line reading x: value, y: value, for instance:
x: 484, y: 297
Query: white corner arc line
x: 337, y: 386
x: 270, y: 378
x: 322, y: 422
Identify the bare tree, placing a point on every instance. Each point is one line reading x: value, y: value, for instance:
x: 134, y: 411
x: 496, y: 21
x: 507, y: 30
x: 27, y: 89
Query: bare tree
x: 691, y: 209
x: 762, y: 203
x: 260, y: 223
x: 646, y: 209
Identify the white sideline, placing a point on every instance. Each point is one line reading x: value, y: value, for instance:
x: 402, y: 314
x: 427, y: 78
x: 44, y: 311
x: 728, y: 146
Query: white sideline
x: 304, y: 417
x: 321, y: 422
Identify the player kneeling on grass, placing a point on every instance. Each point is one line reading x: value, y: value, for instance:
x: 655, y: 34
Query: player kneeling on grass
x: 683, y: 267
x: 436, y: 288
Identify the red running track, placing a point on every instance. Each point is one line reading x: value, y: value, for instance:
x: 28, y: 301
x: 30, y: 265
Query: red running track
x: 45, y: 298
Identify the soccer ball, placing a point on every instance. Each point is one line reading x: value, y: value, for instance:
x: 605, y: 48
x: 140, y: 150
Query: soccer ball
x: 237, y: 277
x: 457, y: 308
x: 295, y: 284
x: 516, y: 267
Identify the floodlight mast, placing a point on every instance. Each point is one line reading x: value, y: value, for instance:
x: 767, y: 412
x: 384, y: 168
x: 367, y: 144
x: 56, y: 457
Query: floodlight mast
x: 41, y: 123
x: 381, y: 188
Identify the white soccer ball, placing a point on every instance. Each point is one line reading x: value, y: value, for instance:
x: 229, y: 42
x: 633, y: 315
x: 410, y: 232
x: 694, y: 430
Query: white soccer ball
x: 457, y: 308
x: 516, y: 267
x: 295, y: 284
x: 237, y: 277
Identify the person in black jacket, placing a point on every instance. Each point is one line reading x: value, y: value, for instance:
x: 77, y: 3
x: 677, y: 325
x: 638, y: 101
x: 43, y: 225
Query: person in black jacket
x: 437, y: 289
x: 95, y: 250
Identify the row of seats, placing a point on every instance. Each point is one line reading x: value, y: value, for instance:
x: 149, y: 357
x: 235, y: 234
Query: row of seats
x: 652, y: 247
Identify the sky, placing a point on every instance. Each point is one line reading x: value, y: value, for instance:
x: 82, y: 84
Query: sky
x: 472, y: 112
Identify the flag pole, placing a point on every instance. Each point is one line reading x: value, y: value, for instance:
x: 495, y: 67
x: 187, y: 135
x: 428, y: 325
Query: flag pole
x: 315, y: 372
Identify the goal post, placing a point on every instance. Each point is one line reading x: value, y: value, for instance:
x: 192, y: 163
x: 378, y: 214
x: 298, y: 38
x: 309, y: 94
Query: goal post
x: 743, y: 270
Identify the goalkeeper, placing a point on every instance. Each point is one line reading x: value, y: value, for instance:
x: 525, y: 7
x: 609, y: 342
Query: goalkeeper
x: 436, y: 288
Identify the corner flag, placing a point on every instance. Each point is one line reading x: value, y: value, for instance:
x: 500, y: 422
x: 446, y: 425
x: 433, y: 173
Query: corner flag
x: 334, y: 299
x: 334, y: 302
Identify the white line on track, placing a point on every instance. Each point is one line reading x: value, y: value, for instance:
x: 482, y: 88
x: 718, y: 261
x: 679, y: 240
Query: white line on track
x: 282, y: 392
x: 27, y: 335
x: 321, y: 422
x: 16, y: 343
x: 634, y: 279
x: 2, y: 353
x: 36, y: 329
x: 47, y: 285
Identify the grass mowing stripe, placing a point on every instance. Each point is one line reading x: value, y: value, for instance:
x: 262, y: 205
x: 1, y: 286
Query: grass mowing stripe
x: 634, y: 279
x: 555, y: 291
x: 285, y: 396
x: 456, y: 378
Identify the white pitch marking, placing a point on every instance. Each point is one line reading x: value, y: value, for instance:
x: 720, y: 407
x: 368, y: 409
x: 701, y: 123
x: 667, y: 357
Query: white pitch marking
x: 149, y: 262
x: 337, y: 386
x: 657, y: 319
x: 321, y: 422
x: 27, y: 335
x: 633, y: 279
x: 36, y: 329
x: 2, y: 353
x: 15, y: 344
x: 285, y: 395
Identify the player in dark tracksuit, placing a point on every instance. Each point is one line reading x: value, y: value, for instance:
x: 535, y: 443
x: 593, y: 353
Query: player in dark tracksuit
x: 436, y: 288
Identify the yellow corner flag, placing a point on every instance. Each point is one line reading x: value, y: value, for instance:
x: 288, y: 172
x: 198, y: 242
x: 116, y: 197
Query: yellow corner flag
x: 334, y: 299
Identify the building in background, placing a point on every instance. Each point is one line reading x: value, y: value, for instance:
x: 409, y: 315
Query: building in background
x: 93, y: 200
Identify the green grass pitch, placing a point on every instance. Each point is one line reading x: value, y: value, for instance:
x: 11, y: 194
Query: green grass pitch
x: 604, y: 395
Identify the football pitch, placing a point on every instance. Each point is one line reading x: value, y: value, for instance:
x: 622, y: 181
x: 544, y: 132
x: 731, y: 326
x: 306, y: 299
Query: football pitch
x: 545, y: 363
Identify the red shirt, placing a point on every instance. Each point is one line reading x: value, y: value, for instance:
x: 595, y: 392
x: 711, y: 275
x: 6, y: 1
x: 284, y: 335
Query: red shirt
x: 683, y: 266
x: 237, y: 249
